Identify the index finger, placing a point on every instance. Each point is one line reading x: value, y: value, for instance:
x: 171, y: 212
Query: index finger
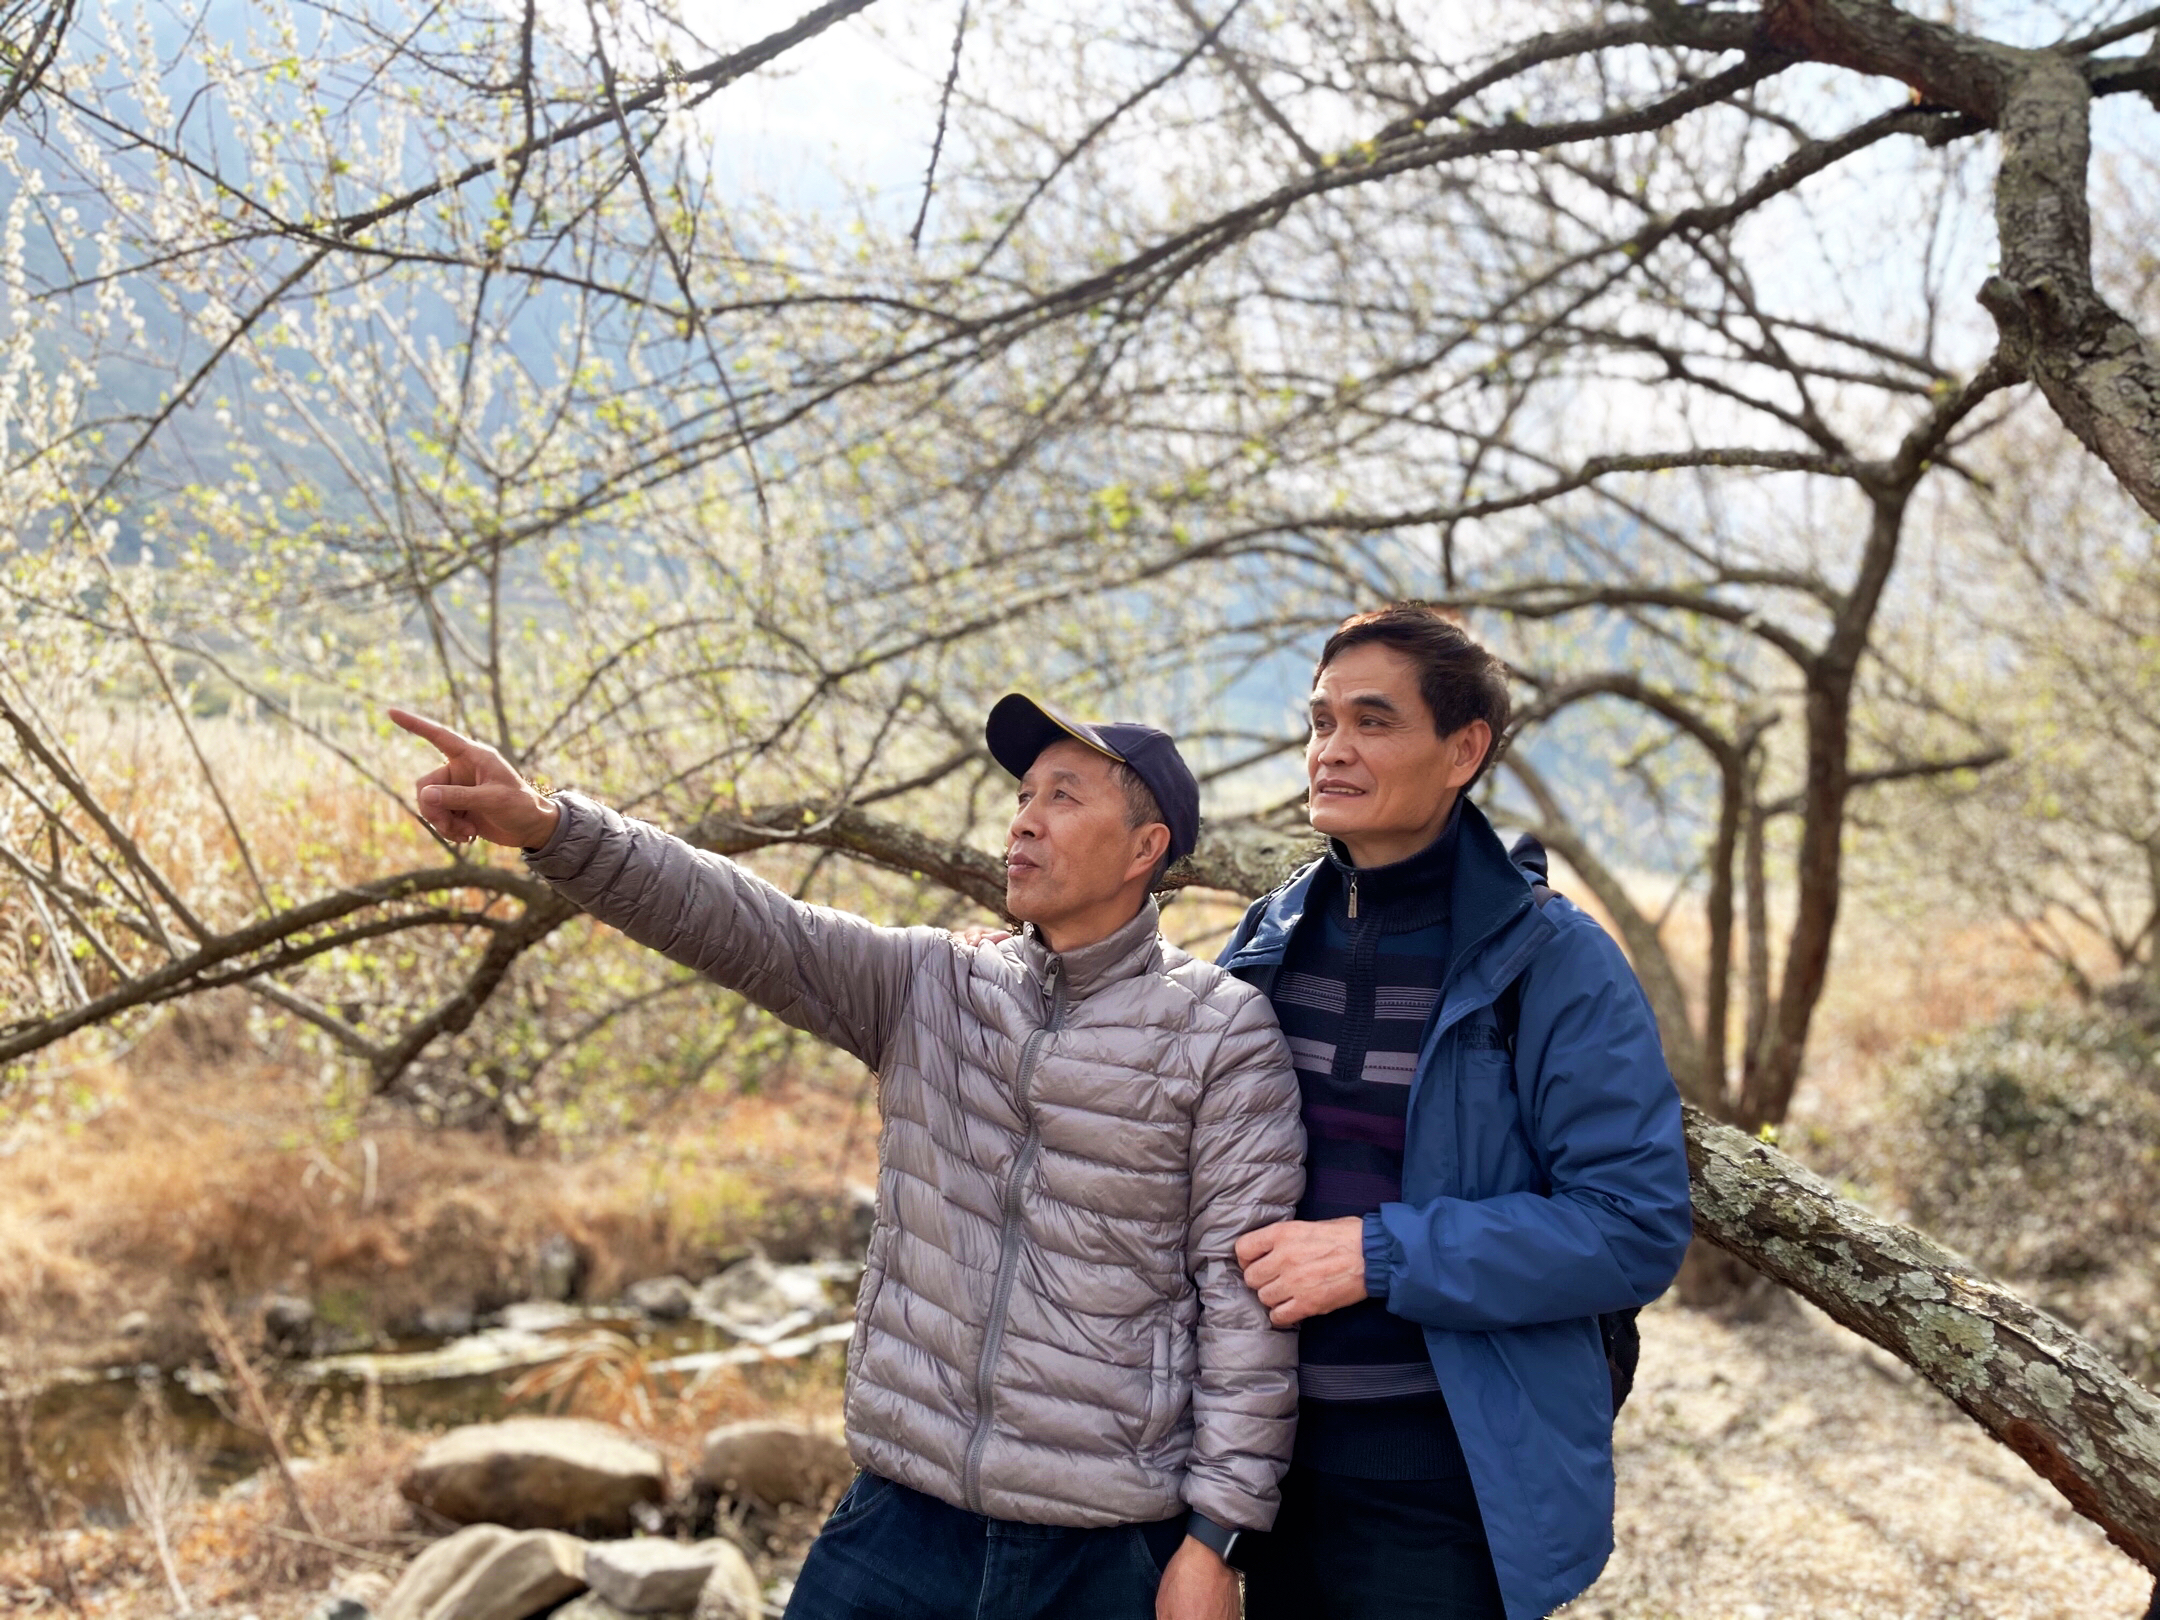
x: 452, y: 743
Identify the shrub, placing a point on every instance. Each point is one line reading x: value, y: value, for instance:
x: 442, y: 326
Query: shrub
x: 2032, y: 1145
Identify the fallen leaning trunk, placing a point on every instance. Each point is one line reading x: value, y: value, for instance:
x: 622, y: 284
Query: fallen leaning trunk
x: 2081, y: 1422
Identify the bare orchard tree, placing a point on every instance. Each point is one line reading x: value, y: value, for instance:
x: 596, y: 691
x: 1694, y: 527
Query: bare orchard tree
x: 419, y: 354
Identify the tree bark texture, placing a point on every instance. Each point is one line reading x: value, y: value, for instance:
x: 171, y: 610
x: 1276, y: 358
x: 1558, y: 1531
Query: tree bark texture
x: 2082, y: 1423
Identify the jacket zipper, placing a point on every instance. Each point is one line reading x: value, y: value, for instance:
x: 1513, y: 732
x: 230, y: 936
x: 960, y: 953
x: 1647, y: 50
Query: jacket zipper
x: 1009, y: 1243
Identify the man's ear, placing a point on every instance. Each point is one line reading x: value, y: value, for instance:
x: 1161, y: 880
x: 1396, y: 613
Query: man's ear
x: 1467, y: 750
x: 1148, y: 853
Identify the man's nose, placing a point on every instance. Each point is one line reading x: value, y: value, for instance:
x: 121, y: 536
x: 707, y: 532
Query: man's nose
x: 1023, y: 824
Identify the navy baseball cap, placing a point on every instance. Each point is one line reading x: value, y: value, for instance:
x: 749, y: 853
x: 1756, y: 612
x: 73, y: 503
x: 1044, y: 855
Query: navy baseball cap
x: 1019, y: 729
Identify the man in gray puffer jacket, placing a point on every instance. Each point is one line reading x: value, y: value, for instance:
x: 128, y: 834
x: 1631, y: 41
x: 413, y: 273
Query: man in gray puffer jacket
x: 1063, y: 1397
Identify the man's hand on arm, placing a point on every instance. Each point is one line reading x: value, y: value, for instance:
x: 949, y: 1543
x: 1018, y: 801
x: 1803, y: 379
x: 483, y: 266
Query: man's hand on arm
x: 1305, y: 1268
x: 1197, y: 1585
x: 476, y: 793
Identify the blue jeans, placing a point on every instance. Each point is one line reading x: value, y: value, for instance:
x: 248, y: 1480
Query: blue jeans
x: 891, y: 1553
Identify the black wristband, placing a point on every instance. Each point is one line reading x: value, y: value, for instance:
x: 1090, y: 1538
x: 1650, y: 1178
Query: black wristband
x: 1219, y: 1539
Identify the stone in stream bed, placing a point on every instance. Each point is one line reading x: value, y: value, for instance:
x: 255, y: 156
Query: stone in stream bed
x: 557, y: 1269
x: 772, y: 1463
x: 665, y: 1299
x: 652, y: 1576
x: 288, y: 1322
x: 452, y: 1321
x: 731, y: 1592
x: 538, y: 1474
x: 592, y: 1606
x: 759, y: 1301
x: 485, y: 1572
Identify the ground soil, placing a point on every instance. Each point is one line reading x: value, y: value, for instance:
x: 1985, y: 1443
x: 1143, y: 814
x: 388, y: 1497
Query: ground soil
x: 1785, y: 1467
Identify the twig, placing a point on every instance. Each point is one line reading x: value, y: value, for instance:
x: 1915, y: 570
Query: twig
x: 226, y: 1344
x: 328, y: 1545
x: 159, y: 1488
x: 937, y: 141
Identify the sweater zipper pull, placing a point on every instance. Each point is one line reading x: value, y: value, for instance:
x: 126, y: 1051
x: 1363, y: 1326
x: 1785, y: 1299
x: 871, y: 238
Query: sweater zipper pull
x: 1353, y: 894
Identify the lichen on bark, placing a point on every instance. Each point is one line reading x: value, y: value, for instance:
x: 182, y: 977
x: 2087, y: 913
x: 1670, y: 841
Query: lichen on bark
x: 2082, y: 1423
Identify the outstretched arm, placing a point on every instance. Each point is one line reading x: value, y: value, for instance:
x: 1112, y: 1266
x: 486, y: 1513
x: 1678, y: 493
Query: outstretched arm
x: 834, y: 974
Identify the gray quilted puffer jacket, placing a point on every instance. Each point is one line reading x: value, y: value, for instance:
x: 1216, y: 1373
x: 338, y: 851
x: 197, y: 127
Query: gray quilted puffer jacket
x: 1052, y: 1327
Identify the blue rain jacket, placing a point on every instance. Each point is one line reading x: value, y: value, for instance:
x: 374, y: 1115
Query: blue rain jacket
x: 1540, y: 1188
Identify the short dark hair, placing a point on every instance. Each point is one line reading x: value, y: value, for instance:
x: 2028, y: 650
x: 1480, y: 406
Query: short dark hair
x: 1459, y: 679
x: 1141, y: 807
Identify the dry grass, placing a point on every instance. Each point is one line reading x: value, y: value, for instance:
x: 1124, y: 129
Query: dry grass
x: 240, y: 1551
x: 207, y: 1166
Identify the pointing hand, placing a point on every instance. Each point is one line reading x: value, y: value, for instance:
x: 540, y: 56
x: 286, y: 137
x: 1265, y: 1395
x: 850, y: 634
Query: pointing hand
x: 475, y: 793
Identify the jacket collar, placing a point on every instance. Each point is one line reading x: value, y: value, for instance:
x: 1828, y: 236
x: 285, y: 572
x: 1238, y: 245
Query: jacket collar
x: 1487, y: 893
x: 1131, y: 951
x: 1411, y: 893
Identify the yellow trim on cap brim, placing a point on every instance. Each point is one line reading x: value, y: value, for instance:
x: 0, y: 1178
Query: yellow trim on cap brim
x: 1051, y: 715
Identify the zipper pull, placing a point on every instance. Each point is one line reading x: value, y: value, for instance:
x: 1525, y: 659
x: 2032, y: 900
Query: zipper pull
x: 1353, y: 894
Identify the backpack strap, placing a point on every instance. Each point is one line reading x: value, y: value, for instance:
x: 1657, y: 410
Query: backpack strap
x: 1528, y: 853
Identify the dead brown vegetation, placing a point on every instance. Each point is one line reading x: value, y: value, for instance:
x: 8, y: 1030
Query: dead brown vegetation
x: 198, y: 1165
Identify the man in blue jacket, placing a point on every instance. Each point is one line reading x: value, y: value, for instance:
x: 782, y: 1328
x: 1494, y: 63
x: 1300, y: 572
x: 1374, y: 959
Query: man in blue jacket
x: 1495, y: 1160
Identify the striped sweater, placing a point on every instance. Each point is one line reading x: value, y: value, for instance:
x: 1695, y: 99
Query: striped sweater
x: 1358, y: 987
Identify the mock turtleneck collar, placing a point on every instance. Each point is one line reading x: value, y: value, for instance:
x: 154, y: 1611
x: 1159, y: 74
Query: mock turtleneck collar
x: 1409, y: 893
x: 1123, y: 955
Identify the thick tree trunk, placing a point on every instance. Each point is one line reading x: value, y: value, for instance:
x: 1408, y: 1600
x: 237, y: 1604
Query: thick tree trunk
x: 2095, y: 368
x: 2082, y: 1423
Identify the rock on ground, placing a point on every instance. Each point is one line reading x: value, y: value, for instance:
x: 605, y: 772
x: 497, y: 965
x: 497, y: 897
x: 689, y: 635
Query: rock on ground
x: 731, y: 1590
x: 440, y: 1568
x: 288, y: 1322
x: 592, y: 1606
x: 1785, y: 1468
x: 772, y: 1463
x: 757, y: 1300
x: 537, y: 1474
x: 556, y: 1269
x: 485, y: 1572
x: 452, y: 1321
x: 665, y: 1299
x: 652, y: 1576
